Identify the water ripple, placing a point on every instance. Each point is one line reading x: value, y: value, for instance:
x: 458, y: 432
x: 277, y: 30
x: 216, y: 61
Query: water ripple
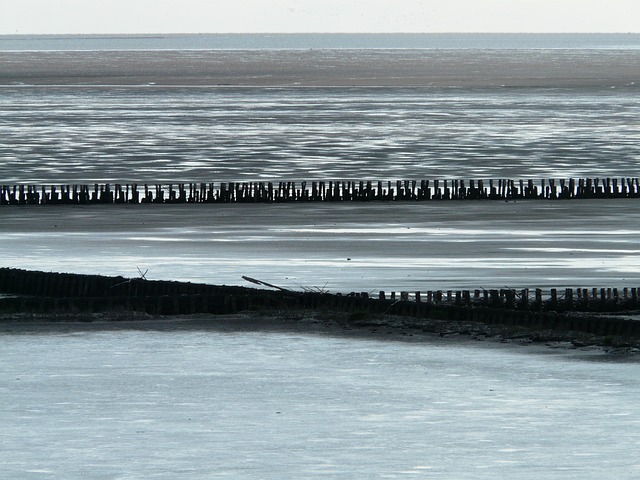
x: 84, y: 135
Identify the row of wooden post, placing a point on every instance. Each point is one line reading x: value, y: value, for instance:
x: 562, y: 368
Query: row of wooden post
x: 570, y: 298
x: 332, y: 191
x: 33, y: 292
x: 34, y: 283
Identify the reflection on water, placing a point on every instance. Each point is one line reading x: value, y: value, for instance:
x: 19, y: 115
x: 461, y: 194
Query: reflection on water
x: 250, y: 404
x: 344, y: 247
x: 84, y: 135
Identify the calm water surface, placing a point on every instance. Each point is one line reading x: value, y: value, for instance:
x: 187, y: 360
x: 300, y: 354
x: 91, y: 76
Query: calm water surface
x: 341, y: 248
x: 145, y: 404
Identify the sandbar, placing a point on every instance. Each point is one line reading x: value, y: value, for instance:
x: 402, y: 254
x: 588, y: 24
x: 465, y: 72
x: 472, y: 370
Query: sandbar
x: 324, y: 68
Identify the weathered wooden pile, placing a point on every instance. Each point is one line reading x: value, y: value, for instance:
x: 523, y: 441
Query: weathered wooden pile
x: 580, y: 309
x: 321, y: 191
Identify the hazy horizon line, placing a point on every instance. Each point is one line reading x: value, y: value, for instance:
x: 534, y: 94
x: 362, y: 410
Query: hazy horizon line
x: 156, y: 34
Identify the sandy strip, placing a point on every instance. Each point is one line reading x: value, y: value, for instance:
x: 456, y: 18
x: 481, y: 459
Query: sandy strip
x: 434, y: 68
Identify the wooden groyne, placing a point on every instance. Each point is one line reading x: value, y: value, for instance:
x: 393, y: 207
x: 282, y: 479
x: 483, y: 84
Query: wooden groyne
x: 567, y: 309
x: 319, y: 191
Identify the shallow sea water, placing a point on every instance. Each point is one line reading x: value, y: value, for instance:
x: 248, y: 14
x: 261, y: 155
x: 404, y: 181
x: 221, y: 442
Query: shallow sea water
x: 339, y: 247
x: 159, y: 135
x: 205, y: 404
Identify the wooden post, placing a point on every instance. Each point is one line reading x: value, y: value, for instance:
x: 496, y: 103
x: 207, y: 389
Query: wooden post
x: 585, y: 297
x: 572, y: 187
x: 510, y: 297
x: 466, y: 297
x: 135, y: 195
x: 554, y: 298
x: 568, y: 298
x: 495, y: 297
x: 524, y: 297
x: 530, y: 192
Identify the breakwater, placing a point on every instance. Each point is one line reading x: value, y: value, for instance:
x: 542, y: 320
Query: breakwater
x: 568, y: 309
x: 321, y: 191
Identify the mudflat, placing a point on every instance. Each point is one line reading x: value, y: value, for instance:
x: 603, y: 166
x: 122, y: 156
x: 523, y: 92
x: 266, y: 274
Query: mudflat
x: 342, y: 247
x: 272, y: 68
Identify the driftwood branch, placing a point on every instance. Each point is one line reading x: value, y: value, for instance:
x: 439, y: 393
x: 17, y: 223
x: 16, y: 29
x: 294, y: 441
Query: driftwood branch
x: 260, y: 282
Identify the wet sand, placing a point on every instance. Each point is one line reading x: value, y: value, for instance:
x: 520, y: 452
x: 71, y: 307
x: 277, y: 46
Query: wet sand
x: 272, y: 68
x: 390, y: 246
x: 387, y: 328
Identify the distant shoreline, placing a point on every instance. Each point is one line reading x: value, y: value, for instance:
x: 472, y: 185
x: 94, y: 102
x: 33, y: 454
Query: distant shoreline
x: 454, y: 68
x: 304, y: 41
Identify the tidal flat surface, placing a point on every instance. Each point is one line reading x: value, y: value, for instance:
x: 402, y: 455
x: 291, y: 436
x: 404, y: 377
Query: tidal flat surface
x: 124, y: 116
x: 447, y: 67
x: 152, y: 134
x: 209, y: 404
x: 338, y: 247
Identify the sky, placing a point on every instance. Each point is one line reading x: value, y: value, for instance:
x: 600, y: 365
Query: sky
x: 286, y: 16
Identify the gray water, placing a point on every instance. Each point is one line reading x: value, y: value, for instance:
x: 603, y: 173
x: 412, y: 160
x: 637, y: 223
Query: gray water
x: 168, y: 108
x: 138, y: 134
x: 206, y: 404
x: 340, y: 248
